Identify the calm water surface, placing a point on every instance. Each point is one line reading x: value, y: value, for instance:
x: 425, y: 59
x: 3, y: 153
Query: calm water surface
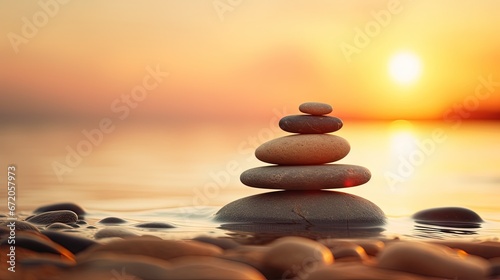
x: 182, y: 174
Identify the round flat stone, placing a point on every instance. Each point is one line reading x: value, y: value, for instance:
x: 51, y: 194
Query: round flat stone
x: 449, y: 217
x: 318, y: 208
x: 303, y: 149
x: 306, y: 177
x: 307, y: 124
x: 315, y: 108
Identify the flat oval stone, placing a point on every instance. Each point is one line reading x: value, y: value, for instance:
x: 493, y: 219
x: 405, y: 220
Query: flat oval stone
x: 112, y: 220
x: 161, y: 249
x: 289, y: 252
x: 61, y: 206
x: 327, y: 209
x: 307, y: 124
x: 315, y: 108
x: 432, y: 260
x: 303, y: 149
x: 74, y: 243
x: 306, y: 177
x: 50, y: 217
x: 449, y: 217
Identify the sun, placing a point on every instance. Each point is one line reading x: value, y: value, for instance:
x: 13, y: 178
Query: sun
x: 405, y: 68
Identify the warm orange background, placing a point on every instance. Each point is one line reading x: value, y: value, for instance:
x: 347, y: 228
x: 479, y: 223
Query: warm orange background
x: 262, y: 55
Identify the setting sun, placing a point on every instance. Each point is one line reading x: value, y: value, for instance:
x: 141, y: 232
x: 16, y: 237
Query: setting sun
x: 405, y: 68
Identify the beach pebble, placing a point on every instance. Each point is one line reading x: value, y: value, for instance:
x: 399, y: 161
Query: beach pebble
x: 449, y: 217
x: 347, y: 251
x: 125, y: 267
x: 61, y: 206
x: 112, y: 220
x: 73, y: 242
x: 306, y: 177
x: 432, y: 260
x: 224, y: 243
x: 157, y: 225
x: 291, y: 255
x: 40, y: 244
x: 315, y: 108
x: 495, y: 266
x: 249, y: 254
x: 50, y: 217
x: 358, y: 271
x: 44, y: 261
x: 20, y: 225
x: 319, y: 208
x: 486, y: 249
x: 161, y: 249
x: 301, y: 149
x: 199, y: 267
x: 114, y: 232
x: 59, y: 226
x: 307, y: 124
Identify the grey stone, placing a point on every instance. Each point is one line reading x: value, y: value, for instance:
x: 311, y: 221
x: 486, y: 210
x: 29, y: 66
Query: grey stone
x: 306, y: 177
x: 307, y: 124
x: 316, y: 208
x: 61, y: 206
x: 50, y: 217
x: 449, y: 217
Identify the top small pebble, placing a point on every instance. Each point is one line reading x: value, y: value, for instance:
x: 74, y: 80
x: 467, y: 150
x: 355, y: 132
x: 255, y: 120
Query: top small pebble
x: 315, y: 108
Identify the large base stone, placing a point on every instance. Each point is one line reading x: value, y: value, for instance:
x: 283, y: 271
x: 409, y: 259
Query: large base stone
x: 316, y: 208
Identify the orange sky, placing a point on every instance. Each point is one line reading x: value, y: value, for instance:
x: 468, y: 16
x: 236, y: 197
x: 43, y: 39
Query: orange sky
x: 244, y: 61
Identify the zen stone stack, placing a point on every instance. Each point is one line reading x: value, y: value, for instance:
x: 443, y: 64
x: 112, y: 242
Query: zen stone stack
x: 302, y: 166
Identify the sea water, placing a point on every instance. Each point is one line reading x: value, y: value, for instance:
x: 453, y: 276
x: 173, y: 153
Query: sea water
x: 182, y: 174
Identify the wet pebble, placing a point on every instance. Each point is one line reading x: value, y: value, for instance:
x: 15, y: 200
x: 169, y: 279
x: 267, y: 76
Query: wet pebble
x: 41, y: 244
x: 487, y: 249
x: 112, y: 220
x: 114, y: 232
x: 20, y: 225
x: 58, y: 226
x: 43, y: 261
x: 162, y: 249
x: 224, y: 243
x: 290, y: 255
x: 495, y: 266
x: 432, y: 260
x: 357, y: 271
x: 50, y: 217
x: 157, y: 225
x: 318, y: 208
x: 449, y: 217
x: 370, y: 246
x: 73, y: 242
x: 192, y: 268
x: 125, y: 267
x: 61, y: 206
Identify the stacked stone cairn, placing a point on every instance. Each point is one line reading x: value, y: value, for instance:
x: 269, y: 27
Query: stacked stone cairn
x: 302, y: 167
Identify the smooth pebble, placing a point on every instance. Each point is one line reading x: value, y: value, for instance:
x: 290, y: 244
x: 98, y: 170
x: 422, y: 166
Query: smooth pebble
x: 303, y: 149
x: 307, y: 124
x: 432, y: 260
x: 449, y: 217
x: 50, y: 217
x: 306, y: 177
x: 315, y: 108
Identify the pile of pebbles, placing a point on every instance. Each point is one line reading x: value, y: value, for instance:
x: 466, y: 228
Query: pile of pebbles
x: 44, y: 251
x: 302, y: 167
